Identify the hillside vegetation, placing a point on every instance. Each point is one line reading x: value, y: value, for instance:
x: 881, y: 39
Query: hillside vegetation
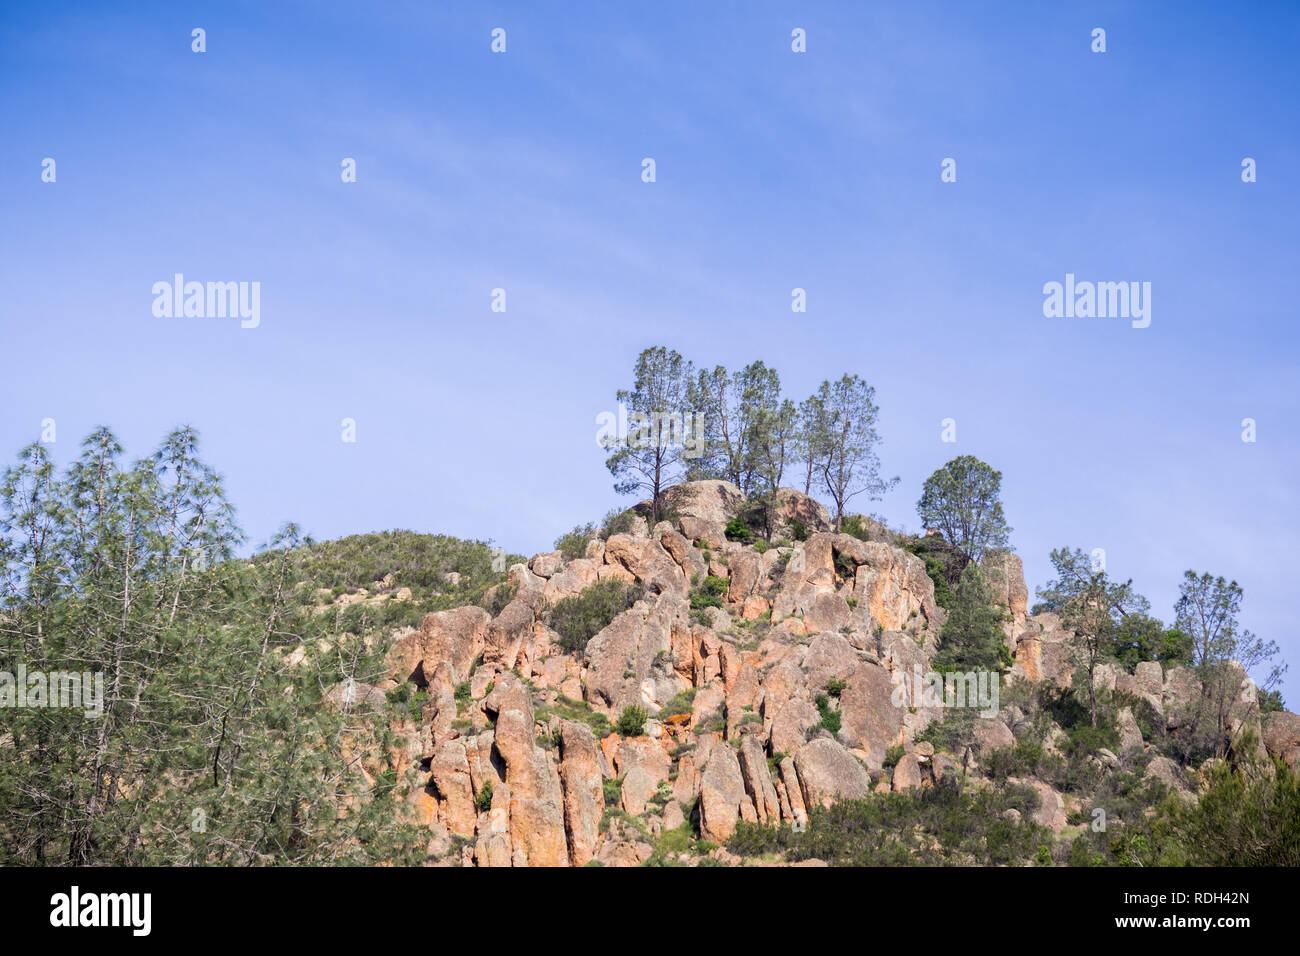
x: 709, y: 678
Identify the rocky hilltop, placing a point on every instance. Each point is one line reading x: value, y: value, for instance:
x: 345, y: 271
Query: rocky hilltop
x: 776, y: 695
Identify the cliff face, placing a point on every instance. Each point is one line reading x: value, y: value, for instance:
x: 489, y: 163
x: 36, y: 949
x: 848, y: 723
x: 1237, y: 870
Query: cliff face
x: 798, y: 691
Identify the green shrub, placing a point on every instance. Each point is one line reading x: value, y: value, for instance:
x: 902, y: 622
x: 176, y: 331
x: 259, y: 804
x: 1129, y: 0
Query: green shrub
x: 573, y: 544
x: 854, y: 525
x: 844, y: 565
x: 1270, y: 701
x: 921, y: 827
x: 483, y: 802
x: 972, y: 637
x: 709, y: 593
x: 737, y: 530
x: 679, y: 703
x: 617, y: 522
x: 936, y: 567
x: 495, y: 600
x: 577, y: 710
x: 1245, y: 817
x: 830, y: 718
x: 579, y: 618
x: 631, y: 722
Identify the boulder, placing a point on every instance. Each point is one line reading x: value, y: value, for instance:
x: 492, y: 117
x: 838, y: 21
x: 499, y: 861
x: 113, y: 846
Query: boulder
x: 793, y: 791
x: 714, y: 502
x: 1168, y: 773
x: 907, y: 773
x: 687, y: 556
x: 570, y: 581
x: 829, y: 656
x: 1181, y: 697
x: 1150, y: 678
x: 647, y: 561
x: 827, y: 773
x: 755, y: 606
x: 745, y: 570
x: 870, y: 715
x: 354, y: 696
x: 457, y: 636
x: 1006, y: 576
x: 401, y: 663
x: 439, y: 711
x: 510, y: 631
x: 493, y: 848
x: 792, y: 506
x: 758, y: 780
x: 1281, y: 732
x: 723, y: 800
x: 827, y: 613
x: 581, y: 784
x: 891, y: 586
x: 537, y: 834
x: 631, y: 661
x: 992, y: 734
x: 452, y: 789
x: 1130, y: 734
x: 629, y: 753
x: 546, y: 565
x: 1042, y: 651
x: 791, y: 725
x: 638, y: 787
x: 1051, y: 804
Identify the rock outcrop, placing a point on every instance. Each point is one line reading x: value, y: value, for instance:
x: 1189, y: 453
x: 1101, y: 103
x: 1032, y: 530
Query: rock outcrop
x: 792, y: 688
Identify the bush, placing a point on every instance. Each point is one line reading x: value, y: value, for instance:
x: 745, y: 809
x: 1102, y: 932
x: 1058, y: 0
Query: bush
x: 617, y: 522
x: 631, y: 723
x: 937, y: 564
x: 1244, y: 817
x: 972, y: 637
x: 854, y: 525
x: 679, y: 704
x: 709, y: 593
x: 495, y: 600
x: 483, y: 802
x: 737, y: 530
x: 578, y: 710
x: 579, y: 618
x: 935, y: 825
x: 830, y: 718
x: 573, y: 544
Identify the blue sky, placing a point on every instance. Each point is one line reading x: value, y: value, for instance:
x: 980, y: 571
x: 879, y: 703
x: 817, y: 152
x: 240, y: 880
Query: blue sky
x: 774, y: 170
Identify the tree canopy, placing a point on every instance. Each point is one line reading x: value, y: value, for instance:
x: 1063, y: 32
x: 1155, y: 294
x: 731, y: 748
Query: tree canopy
x: 963, y: 501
